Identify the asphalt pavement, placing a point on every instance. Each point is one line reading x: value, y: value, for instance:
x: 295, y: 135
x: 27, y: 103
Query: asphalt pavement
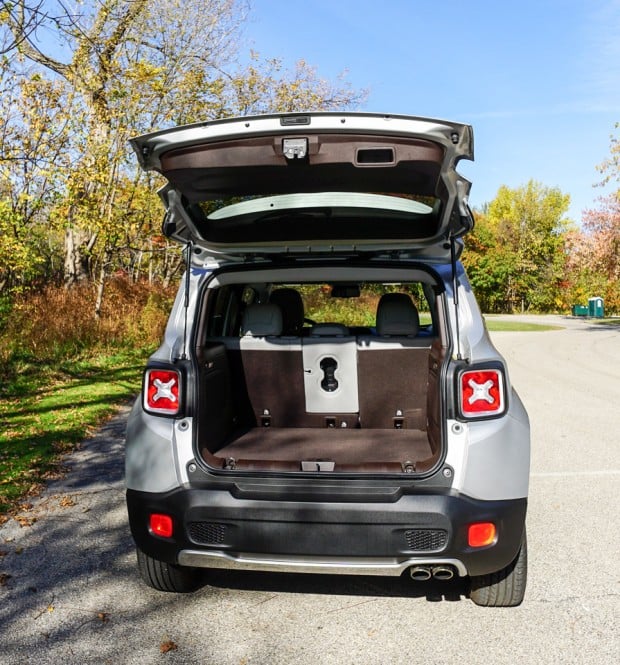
x: 70, y: 593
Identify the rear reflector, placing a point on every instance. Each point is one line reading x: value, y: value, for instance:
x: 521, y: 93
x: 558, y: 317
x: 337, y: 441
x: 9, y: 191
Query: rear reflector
x: 481, y: 393
x: 481, y: 534
x: 162, y: 391
x: 160, y: 525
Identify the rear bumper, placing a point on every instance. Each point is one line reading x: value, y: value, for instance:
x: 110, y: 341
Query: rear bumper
x: 214, y: 529
x: 382, y: 566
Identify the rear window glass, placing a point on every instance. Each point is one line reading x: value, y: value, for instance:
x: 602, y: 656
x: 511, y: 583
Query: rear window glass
x: 351, y: 305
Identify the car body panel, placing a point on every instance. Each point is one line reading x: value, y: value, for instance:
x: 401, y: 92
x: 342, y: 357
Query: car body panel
x: 344, y: 199
x: 394, y: 158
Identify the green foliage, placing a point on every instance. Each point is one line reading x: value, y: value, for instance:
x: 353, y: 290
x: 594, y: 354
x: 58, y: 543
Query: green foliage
x: 62, y: 371
x: 320, y: 306
x: 46, y: 410
x: 515, y: 256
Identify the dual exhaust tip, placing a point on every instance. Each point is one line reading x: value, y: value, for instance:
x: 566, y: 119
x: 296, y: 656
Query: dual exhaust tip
x: 424, y: 573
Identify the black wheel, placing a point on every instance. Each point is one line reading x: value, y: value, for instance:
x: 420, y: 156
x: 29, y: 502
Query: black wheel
x: 168, y: 577
x: 506, y: 587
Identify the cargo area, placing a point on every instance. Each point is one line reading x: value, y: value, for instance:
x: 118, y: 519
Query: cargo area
x: 283, y: 395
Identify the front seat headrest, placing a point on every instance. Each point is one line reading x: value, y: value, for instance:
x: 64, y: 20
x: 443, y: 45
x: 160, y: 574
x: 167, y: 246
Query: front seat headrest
x: 261, y: 320
x: 397, y: 316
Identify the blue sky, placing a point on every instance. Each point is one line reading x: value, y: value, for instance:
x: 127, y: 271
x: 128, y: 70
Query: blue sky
x: 538, y: 80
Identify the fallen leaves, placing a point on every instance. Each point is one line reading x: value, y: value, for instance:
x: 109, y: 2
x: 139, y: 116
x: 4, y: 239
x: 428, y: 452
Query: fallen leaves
x: 167, y: 646
x: 24, y: 521
x: 67, y: 502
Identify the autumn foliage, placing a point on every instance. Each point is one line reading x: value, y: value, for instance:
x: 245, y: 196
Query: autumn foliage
x: 55, y: 322
x: 74, y: 205
x: 75, y: 209
x: 593, y: 264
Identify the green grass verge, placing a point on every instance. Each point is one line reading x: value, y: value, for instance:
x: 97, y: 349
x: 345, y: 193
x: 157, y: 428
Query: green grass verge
x: 607, y: 322
x: 45, y: 411
x: 503, y: 325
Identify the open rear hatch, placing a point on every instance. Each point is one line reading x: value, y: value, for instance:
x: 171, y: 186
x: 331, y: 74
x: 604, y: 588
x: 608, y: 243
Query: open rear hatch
x: 324, y: 182
x: 316, y: 186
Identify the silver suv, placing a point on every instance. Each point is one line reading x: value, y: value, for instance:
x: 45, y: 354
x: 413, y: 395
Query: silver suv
x: 326, y: 398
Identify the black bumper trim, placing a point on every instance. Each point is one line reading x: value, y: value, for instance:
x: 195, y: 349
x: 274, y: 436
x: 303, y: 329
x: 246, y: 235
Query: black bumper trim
x: 328, y: 530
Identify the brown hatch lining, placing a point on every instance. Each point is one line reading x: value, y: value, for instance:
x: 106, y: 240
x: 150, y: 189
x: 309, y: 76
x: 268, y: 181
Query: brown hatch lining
x: 323, y: 149
x: 257, y: 165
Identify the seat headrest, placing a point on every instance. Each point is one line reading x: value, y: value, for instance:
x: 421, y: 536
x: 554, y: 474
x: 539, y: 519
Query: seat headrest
x: 261, y: 320
x: 329, y: 330
x: 397, y: 316
x: 292, y: 306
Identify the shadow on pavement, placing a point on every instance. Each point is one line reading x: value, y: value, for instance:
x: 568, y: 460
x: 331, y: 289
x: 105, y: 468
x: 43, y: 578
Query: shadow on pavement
x: 69, y: 585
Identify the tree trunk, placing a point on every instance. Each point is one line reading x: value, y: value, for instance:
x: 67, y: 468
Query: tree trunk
x: 77, y: 245
x: 103, y: 273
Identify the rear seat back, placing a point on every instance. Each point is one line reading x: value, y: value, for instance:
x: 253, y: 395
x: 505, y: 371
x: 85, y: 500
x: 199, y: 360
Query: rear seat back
x: 393, y: 367
x: 330, y: 378
x: 270, y: 368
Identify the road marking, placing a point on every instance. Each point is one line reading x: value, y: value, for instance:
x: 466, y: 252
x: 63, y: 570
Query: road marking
x: 568, y: 474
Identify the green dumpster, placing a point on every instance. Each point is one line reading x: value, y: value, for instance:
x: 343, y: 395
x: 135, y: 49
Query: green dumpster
x: 579, y: 310
x: 596, y: 307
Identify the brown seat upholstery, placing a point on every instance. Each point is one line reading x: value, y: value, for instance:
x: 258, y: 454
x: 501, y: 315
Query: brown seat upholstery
x: 393, y: 367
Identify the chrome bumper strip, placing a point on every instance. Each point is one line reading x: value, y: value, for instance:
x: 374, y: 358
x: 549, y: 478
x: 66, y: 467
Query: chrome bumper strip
x: 307, y: 564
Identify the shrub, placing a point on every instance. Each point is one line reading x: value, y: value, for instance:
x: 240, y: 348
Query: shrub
x: 58, y: 323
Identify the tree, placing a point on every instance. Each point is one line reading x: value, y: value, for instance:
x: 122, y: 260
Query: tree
x: 33, y: 145
x: 126, y: 68
x: 594, y: 263
x: 515, y: 256
x: 610, y: 167
x: 594, y: 250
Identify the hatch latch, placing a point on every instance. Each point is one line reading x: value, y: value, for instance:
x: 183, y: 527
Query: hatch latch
x: 318, y: 465
x: 295, y: 148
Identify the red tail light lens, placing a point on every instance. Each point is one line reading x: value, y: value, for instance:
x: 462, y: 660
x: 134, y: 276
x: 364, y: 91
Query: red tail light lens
x: 160, y: 525
x: 482, y: 393
x: 162, y: 391
x: 481, y: 534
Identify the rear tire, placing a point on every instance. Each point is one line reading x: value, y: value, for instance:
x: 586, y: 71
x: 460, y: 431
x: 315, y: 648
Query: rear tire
x: 164, y: 576
x: 506, y: 587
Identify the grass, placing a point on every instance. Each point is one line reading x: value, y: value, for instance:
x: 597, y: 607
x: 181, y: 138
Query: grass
x: 63, y: 372
x: 46, y: 410
x: 608, y: 321
x: 503, y: 325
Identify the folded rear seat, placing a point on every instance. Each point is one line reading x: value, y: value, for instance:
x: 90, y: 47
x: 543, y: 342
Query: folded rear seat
x: 393, y: 368
x: 270, y: 369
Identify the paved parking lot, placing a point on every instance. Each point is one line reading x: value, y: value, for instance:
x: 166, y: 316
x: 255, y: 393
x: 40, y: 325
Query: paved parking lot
x: 69, y: 591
